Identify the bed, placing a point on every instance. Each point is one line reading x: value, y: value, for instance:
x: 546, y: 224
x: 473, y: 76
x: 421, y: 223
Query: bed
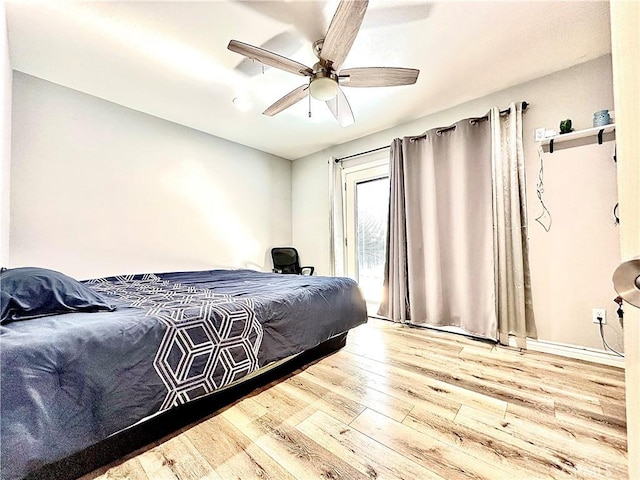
x: 145, y: 345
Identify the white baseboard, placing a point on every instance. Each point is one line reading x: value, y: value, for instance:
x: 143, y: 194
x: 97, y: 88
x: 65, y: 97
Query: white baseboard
x: 573, y: 351
x: 563, y: 349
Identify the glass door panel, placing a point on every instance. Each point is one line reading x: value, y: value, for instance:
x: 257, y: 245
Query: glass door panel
x: 372, y: 204
x: 366, y: 212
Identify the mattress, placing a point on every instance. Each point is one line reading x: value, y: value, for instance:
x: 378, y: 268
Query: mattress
x: 69, y: 381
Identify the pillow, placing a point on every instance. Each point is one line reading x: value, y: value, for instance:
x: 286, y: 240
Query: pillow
x: 31, y: 292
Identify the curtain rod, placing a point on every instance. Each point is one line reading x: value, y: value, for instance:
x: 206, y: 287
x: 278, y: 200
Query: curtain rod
x: 444, y: 129
x: 472, y: 120
x: 503, y: 112
x: 338, y: 160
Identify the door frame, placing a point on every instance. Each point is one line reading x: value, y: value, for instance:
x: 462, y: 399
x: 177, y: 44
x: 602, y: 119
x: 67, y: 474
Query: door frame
x: 625, y: 38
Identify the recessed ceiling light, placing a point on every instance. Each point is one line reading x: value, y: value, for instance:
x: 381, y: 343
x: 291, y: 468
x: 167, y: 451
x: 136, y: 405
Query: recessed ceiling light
x: 243, y: 104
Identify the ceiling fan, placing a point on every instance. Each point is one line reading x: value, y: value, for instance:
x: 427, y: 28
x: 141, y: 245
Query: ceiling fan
x: 324, y: 78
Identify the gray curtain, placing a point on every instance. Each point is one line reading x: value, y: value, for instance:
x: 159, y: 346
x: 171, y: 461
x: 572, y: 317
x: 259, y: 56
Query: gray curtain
x: 336, y: 219
x: 395, y: 293
x: 457, y: 252
x: 440, y: 255
x: 514, y: 304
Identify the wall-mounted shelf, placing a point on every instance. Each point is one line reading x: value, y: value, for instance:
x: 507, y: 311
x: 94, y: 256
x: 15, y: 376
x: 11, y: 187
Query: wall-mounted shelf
x: 601, y: 134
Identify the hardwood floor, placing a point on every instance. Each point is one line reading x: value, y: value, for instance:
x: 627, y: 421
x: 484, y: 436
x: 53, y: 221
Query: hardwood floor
x: 408, y: 403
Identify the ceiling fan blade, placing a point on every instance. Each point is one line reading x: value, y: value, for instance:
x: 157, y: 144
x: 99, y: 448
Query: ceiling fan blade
x: 343, y: 30
x: 289, y: 99
x: 269, y: 58
x: 378, y: 77
x: 339, y: 106
x: 286, y: 43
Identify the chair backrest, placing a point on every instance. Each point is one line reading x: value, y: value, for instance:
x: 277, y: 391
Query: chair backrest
x: 286, y: 260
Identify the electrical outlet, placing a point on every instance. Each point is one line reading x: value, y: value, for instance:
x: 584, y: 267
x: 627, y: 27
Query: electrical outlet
x: 597, y: 313
x: 539, y: 134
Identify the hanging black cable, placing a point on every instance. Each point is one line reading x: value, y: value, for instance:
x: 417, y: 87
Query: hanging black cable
x: 604, y: 342
x: 539, y: 192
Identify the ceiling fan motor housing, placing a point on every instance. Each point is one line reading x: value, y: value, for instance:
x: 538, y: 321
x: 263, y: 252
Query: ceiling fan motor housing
x: 317, y: 47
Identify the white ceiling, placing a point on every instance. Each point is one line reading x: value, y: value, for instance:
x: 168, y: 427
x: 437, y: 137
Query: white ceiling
x: 170, y: 59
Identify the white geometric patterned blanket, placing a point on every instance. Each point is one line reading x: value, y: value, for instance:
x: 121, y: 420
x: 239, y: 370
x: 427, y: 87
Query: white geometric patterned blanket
x: 210, y: 340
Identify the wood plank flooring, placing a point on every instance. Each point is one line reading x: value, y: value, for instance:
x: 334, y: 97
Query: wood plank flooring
x: 408, y: 403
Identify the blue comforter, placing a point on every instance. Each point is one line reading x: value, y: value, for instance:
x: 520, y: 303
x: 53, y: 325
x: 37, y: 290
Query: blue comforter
x: 69, y: 381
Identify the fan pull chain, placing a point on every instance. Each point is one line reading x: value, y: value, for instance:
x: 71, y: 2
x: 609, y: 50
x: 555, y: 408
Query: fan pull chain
x: 309, y: 103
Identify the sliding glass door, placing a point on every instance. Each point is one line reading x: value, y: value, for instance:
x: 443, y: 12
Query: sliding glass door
x: 366, y: 212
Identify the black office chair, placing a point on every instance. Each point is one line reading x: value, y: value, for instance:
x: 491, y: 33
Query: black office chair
x: 286, y: 260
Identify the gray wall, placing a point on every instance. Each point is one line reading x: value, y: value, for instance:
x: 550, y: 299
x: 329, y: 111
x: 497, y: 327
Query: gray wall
x: 99, y: 189
x: 5, y: 132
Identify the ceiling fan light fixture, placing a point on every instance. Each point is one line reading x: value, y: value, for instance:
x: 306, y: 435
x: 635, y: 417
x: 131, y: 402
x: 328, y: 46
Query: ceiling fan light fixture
x: 323, y: 88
